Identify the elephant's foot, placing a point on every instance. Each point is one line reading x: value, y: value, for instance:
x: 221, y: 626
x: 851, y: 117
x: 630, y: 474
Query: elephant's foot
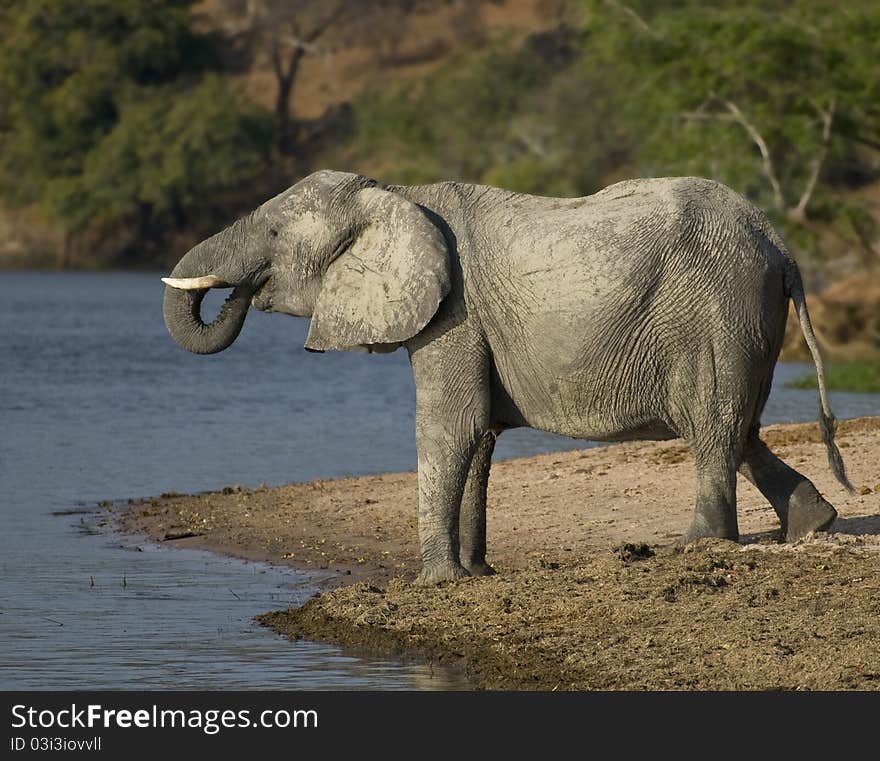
x: 703, y: 529
x: 808, y: 512
x: 436, y: 573
x: 480, y: 569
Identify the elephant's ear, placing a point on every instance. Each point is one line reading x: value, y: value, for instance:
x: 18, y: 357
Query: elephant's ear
x: 388, y: 282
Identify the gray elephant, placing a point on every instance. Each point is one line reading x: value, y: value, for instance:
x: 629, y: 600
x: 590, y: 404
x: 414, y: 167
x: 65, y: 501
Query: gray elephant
x: 653, y: 309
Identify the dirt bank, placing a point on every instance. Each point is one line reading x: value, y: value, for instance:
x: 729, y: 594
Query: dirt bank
x: 846, y: 318
x: 573, y: 606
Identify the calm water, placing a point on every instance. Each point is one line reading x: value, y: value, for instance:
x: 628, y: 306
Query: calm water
x: 97, y: 403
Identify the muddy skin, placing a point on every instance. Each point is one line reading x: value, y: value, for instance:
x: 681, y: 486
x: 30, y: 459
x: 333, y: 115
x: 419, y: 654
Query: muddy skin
x: 652, y: 309
x: 589, y: 593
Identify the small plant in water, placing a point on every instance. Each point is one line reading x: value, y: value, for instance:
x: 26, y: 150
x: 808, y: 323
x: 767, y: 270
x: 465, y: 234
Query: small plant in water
x: 862, y: 375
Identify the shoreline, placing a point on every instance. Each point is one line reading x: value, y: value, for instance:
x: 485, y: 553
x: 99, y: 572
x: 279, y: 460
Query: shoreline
x: 582, y: 542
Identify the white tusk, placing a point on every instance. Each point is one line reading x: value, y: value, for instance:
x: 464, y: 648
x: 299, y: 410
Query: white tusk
x: 195, y: 283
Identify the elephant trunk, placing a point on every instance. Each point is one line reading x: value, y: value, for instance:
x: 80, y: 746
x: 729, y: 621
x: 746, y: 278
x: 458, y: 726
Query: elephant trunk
x: 211, y: 264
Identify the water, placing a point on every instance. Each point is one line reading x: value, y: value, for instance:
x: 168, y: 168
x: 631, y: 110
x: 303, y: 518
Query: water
x: 97, y: 403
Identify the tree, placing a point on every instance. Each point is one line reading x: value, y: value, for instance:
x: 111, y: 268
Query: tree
x: 110, y: 117
x: 766, y: 96
x: 482, y: 117
x: 776, y: 98
x: 288, y: 30
x: 166, y: 155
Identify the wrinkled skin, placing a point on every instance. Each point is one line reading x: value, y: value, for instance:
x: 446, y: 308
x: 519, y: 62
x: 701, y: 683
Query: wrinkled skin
x: 653, y: 309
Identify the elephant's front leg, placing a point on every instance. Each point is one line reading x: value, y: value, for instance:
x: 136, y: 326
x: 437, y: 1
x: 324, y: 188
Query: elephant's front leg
x: 472, y: 524
x: 444, y: 461
x: 452, y: 415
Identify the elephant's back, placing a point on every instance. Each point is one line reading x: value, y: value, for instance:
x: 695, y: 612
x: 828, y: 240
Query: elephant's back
x: 631, y: 223
x: 688, y: 247
x: 625, y: 240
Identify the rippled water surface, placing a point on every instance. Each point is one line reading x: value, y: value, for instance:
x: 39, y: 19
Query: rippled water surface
x: 97, y: 403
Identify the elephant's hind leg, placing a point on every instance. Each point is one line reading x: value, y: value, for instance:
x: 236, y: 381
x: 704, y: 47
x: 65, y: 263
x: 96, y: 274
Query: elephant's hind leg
x: 472, y: 523
x: 716, y: 428
x: 715, y: 511
x: 800, y: 507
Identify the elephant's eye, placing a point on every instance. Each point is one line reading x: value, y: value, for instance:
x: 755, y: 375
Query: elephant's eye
x: 273, y: 232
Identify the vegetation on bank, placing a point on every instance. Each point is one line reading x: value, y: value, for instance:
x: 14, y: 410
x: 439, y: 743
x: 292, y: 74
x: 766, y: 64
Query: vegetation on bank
x: 776, y: 99
x: 861, y: 375
x: 120, y: 116
x: 113, y: 114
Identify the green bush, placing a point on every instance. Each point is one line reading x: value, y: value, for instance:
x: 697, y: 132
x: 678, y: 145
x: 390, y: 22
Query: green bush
x: 476, y: 119
x: 169, y: 151
x: 681, y: 88
x: 110, y: 115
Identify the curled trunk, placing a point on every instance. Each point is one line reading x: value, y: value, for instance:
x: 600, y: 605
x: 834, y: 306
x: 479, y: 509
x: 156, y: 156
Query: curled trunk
x: 182, y: 311
x: 222, y: 259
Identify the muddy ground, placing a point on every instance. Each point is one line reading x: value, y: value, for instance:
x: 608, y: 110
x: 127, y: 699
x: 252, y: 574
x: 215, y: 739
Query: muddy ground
x: 590, y: 594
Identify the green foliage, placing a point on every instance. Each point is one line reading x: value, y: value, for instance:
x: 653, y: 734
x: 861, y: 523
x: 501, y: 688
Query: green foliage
x: 778, y: 65
x: 110, y: 112
x: 857, y: 375
x: 455, y: 123
x: 482, y: 120
x: 668, y: 87
x: 167, y: 151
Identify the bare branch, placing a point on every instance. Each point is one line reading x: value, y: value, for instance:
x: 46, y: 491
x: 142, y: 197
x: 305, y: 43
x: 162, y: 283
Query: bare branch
x: 769, y: 171
x: 275, y: 55
x: 628, y: 11
x: 531, y: 143
x: 328, y: 21
x: 293, y: 64
x: 285, y: 71
x: 294, y: 41
x: 799, y: 212
x: 735, y: 114
x: 290, y: 31
x: 706, y: 116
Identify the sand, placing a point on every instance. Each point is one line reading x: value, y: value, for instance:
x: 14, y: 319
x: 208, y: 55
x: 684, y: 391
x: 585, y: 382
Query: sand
x: 591, y: 592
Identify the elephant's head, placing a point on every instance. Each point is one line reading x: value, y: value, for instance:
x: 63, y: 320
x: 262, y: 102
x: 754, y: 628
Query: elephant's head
x: 367, y: 265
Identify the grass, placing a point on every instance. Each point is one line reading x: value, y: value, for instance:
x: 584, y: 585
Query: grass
x: 862, y: 375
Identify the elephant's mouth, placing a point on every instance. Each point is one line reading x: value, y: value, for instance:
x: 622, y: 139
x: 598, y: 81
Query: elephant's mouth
x: 261, y: 294
x: 262, y: 298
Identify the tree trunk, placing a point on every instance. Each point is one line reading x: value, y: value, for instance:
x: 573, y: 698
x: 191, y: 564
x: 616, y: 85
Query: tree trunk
x: 285, y: 74
x: 65, y: 252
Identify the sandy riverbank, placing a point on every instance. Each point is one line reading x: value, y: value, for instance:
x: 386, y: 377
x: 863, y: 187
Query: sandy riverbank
x: 572, y: 606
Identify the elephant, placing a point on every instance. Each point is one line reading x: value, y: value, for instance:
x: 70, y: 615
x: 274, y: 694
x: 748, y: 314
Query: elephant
x: 653, y: 309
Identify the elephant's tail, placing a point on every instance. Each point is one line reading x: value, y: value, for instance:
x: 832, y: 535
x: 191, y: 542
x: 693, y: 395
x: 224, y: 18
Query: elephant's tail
x: 794, y: 287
